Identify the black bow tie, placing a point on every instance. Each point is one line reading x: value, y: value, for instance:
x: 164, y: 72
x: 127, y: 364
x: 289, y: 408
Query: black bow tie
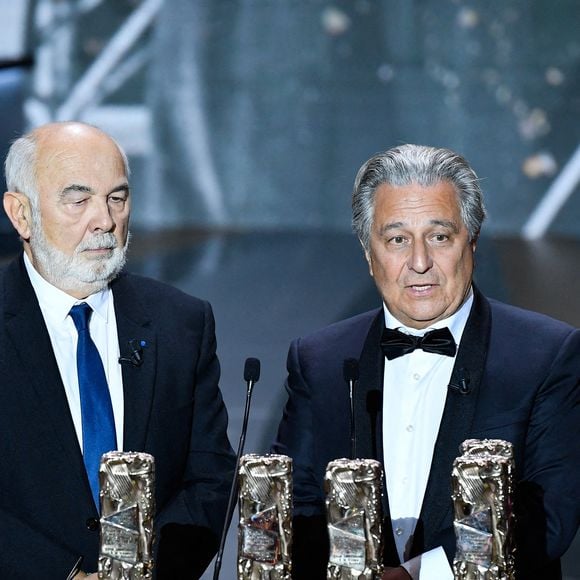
x: 396, y: 343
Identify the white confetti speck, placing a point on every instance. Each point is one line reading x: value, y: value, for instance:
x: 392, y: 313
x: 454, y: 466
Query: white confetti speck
x: 334, y: 21
x: 540, y: 164
x: 554, y: 76
x: 467, y: 18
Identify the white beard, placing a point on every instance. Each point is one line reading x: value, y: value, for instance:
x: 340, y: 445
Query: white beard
x: 77, y: 272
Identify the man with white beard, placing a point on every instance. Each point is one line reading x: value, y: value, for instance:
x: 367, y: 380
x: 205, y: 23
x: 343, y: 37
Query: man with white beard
x: 153, y: 380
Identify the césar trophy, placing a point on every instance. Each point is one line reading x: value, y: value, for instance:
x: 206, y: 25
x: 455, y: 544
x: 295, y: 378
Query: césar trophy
x: 265, y: 528
x: 354, y: 513
x: 482, y: 483
x: 127, y: 482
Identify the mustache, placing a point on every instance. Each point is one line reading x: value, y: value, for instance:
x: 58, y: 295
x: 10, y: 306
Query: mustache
x: 106, y: 241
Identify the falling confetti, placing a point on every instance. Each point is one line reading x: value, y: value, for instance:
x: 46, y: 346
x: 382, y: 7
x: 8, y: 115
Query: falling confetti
x: 334, y: 21
x: 540, y: 164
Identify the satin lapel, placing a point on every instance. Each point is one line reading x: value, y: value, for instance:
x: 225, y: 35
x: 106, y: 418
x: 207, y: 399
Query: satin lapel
x: 370, y: 384
x: 27, y: 331
x: 369, y: 417
x: 457, y: 418
x: 134, y: 326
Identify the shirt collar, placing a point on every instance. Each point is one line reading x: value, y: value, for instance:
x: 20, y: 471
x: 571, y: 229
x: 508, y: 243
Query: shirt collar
x: 456, y: 322
x: 56, y: 304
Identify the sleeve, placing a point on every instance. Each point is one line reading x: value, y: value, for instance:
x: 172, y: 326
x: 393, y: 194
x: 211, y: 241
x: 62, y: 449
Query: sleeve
x: 296, y: 439
x: 546, y: 503
x: 190, y: 524
x: 24, y: 548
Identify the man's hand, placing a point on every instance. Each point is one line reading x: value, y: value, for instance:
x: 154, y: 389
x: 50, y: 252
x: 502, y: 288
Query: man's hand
x: 396, y: 574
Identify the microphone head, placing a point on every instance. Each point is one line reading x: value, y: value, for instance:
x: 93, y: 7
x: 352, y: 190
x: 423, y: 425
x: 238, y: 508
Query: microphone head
x: 350, y: 370
x: 252, y: 370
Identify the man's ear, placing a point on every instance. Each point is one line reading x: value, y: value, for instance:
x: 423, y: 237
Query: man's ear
x: 473, y: 244
x: 367, y: 257
x: 17, y: 208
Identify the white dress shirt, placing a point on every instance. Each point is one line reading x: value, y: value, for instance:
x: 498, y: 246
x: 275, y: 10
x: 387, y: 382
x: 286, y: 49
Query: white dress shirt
x: 414, y: 393
x: 55, y: 306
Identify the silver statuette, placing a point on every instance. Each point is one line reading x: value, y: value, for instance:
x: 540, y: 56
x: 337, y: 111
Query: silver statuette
x: 265, y: 529
x: 127, y: 507
x: 354, y: 513
x: 482, y: 482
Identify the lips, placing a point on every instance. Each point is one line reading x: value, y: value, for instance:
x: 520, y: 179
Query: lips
x: 420, y: 289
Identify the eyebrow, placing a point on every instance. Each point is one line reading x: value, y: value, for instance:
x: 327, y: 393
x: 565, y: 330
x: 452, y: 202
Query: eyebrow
x: 76, y: 187
x: 398, y: 225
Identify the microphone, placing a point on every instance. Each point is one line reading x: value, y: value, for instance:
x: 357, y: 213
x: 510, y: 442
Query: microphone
x: 251, y: 376
x: 351, y: 374
x: 135, y: 357
x: 461, y: 382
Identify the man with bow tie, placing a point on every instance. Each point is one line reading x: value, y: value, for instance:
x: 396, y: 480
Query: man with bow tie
x: 439, y: 363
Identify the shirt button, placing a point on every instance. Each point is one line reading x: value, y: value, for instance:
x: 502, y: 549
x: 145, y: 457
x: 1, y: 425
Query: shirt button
x: 398, y: 531
x: 416, y: 376
x: 92, y: 524
x: 410, y: 428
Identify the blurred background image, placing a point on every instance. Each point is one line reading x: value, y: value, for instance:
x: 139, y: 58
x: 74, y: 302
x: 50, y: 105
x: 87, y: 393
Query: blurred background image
x: 245, y: 122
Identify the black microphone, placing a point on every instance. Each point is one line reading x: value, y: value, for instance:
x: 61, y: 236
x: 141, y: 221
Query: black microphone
x: 460, y: 382
x: 135, y: 357
x: 351, y: 374
x: 251, y: 376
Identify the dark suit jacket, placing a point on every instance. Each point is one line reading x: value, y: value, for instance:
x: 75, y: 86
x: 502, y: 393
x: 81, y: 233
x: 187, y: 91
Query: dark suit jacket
x: 522, y: 371
x: 173, y: 409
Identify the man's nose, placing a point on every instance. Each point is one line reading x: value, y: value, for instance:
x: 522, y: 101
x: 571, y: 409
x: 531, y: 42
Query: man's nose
x: 101, y: 219
x: 420, y: 259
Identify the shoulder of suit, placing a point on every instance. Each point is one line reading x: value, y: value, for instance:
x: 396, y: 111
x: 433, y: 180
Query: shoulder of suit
x: 521, y: 319
x: 532, y: 329
x: 153, y: 291
x: 354, y: 329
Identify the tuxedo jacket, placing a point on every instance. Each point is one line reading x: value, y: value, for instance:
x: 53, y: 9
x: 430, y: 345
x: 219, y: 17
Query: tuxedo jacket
x: 516, y: 377
x: 173, y: 410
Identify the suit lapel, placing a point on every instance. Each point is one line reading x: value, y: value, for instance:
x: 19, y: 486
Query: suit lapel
x: 456, y: 422
x: 134, y: 328
x: 369, y: 417
x: 367, y: 405
x: 26, y: 329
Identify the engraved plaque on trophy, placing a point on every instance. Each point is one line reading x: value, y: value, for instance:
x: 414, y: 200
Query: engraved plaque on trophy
x: 354, y: 514
x: 265, y: 528
x: 127, y: 507
x: 482, y: 482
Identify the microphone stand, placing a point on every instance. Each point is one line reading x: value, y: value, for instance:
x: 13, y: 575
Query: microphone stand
x: 351, y: 374
x: 251, y: 376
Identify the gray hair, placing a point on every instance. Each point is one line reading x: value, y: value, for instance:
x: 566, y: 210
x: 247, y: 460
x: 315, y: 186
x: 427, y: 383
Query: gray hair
x: 19, y: 167
x: 425, y: 166
x: 20, y: 164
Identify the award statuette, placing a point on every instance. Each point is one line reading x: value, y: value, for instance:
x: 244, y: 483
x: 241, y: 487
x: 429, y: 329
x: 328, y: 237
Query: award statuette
x: 354, y: 513
x: 265, y: 529
x: 127, y: 505
x: 482, y: 482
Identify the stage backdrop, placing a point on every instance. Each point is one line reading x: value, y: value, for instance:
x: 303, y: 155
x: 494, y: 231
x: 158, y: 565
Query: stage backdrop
x: 257, y: 113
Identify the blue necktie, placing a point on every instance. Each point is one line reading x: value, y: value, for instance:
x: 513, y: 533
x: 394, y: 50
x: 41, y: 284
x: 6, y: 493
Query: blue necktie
x: 96, y: 407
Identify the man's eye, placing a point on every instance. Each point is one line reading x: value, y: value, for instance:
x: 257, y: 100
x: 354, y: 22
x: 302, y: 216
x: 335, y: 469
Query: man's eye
x: 116, y: 199
x: 441, y: 237
x: 397, y: 240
